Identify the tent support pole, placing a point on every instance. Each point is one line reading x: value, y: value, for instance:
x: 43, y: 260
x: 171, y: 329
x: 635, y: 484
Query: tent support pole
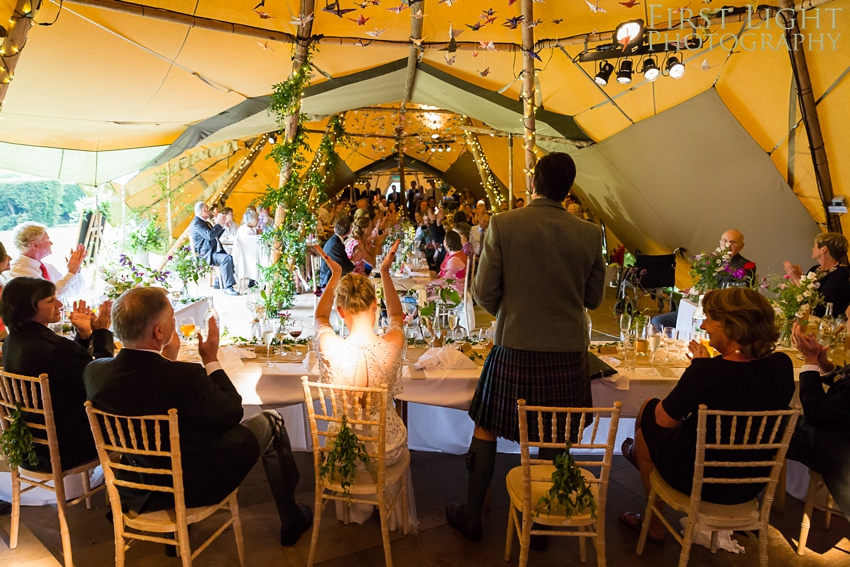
x: 475, y: 149
x: 528, y: 121
x: 401, y: 185
x: 302, y: 46
x: 415, y: 51
x: 510, y: 172
x: 322, y: 167
x: 19, y: 26
x: 808, y: 106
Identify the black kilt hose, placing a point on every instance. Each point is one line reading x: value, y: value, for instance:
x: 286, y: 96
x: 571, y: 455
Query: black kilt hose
x: 558, y: 379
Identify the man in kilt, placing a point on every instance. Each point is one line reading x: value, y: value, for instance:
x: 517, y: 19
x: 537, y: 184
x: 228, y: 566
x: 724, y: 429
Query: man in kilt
x: 540, y: 268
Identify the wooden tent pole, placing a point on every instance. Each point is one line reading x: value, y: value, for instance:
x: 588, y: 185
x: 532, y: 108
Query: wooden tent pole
x: 401, y: 181
x: 510, y: 172
x: 322, y: 166
x: 302, y: 47
x: 475, y: 149
x: 808, y: 106
x: 415, y: 51
x: 10, y: 47
x: 528, y: 121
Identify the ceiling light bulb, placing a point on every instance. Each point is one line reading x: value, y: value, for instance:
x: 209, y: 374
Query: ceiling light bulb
x: 448, y: 148
x: 435, y: 136
x: 675, y: 68
x: 624, y: 75
x: 433, y: 149
x: 604, y: 74
x: 650, y: 69
x: 440, y: 149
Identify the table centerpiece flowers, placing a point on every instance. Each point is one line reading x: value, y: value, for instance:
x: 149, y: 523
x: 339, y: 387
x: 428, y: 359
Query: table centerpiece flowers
x: 126, y: 275
x: 794, y: 302
x: 187, y: 267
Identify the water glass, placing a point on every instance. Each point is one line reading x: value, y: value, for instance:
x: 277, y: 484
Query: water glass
x: 654, y: 335
x: 669, y: 340
x: 629, y: 352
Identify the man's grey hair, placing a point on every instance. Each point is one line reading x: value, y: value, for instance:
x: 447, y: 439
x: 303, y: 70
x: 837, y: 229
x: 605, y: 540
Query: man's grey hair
x: 249, y: 216
x: 27, y: 233
x: 199, y: 206
x: 137, y: 311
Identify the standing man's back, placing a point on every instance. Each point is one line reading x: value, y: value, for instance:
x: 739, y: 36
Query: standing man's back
x: 540, y: 267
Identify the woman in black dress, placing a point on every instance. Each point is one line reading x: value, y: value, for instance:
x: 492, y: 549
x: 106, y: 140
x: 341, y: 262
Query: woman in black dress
x: 746, y: 375
x: 834, y: 278
x: 27, y: 306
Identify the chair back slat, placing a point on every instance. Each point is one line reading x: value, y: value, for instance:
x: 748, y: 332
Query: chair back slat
x: 728, y: 439
x: 119, y: 449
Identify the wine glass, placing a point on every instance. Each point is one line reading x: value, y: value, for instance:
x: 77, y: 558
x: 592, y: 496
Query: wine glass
x: 669, y: 340
x: 280, y: 335
x: 295, y: 329
x: 187, y: 329
x: 683, y: 339
x: 268, y: 337
x: 453, y: 321
x: 625, y: 325
x: 654, y: 334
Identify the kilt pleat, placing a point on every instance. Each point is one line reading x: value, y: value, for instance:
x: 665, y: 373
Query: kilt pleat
x: 557, y: 379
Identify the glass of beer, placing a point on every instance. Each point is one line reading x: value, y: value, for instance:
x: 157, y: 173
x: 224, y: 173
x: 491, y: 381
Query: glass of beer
x: 187, y: 329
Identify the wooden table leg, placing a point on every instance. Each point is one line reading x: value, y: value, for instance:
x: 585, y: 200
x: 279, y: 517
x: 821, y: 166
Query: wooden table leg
x: 401, y: 407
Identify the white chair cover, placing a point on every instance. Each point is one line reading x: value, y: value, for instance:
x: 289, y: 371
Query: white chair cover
x: 247, y: 254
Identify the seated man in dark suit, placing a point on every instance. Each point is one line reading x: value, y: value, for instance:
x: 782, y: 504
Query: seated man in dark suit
x: 335, y: 249
x: 822, y: 438
x: 205, y: 237
x: 734, y: 241
x: 217, y: 450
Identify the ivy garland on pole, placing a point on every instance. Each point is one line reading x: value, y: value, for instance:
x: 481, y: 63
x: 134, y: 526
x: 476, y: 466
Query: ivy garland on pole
x: 300, y: 217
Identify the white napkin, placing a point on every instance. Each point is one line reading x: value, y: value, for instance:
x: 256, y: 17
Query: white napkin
x: 703, y: 537
x: 230, y: 358
x: 244, y: 352
x: 311, y: 363
x: 447, y: 358
x: 618, y: 381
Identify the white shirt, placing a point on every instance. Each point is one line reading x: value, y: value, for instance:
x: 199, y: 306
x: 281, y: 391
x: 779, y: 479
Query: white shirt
x: 67, y: 285
x: 476, y: 239
x: 229, y: 234
x: 246, y: 230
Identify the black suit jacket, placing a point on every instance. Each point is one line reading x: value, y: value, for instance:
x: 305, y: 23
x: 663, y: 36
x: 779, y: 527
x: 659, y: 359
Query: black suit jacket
x: 822, y: 438
x: 335, y: 249
x: 217, y: 452
x: 34, y: 349
x: 205, y: 237
x: 737, y: 261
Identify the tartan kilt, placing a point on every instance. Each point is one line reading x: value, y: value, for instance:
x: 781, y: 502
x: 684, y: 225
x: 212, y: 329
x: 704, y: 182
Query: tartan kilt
x: 557, y: 379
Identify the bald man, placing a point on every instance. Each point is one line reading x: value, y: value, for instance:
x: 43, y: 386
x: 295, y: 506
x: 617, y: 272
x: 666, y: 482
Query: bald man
x: 734, y: 240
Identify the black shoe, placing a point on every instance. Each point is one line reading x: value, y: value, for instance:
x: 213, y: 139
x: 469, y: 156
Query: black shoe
x: 289, y: 534
x: 252, y: 283
x: 230, y: 291
x: 215, y: 285
x: 456, y: 518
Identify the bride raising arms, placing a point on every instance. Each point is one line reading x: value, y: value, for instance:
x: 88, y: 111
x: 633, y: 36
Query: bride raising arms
x: 365, y: 359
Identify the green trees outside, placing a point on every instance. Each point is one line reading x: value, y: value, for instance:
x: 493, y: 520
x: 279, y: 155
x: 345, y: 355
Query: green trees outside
x: 47, y: 201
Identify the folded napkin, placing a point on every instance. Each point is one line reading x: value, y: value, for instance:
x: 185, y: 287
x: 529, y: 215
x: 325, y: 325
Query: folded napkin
x: 618, y: 381
x: 230, y: 358
x: 311, y: 363
x: 447, y: 358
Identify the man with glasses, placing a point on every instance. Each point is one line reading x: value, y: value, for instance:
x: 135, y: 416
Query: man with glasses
x: 734, y: 241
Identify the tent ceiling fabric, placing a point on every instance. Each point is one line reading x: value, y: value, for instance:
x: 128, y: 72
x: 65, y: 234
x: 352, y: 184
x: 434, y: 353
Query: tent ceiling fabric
x: 101, y: 80
x: 714, y: 178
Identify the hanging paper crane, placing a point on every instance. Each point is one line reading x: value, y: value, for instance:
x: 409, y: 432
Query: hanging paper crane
x: 512, y: 23
x: 475, y: 27
x: 488, y: 46
x: 335, y: 9
x: 398, y: 9
x: 681, y: 9
x: 557, y: 21
x: 534, y: 24
x: 632, y: 3
x: 375, y: 33
x: 595, y: 7
x: 447, y: 2
x: 485, y: 72
x: 301, y: 20
x: 533, y: 54
x: 265, y: 45
x: 450, y: 60
x: 361, y: 20
x: 489, y: 20
x: 488, y: 13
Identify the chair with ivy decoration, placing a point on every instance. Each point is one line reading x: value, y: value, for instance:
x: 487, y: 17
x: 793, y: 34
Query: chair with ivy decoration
x: 215, y: 271
x: 761, y: 432
x: 120, y: 440
x: 29, y: 399
x: 542, y: 491
x: 341, y: 408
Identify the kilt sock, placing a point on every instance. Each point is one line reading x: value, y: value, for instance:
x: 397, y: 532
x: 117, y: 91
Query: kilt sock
x: 480, y: 462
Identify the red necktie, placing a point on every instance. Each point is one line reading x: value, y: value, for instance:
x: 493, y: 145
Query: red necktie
x: 44, y: 273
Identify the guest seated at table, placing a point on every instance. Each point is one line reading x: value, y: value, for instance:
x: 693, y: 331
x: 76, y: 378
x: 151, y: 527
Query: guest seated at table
x: 364, y: 359
x: 834, y: 278
x: 734, y: 241
x: 453, y: 266
x: 28, y: 306
x: 822, y: 438
x: 476, y: 235
x: 391, y: 218
x: 335, y: 249
x: 480, y: 209
x: 464, y: 229
x: 437, y: 236
x: 5, y: 265
x: 205, y: 238
x: 218, y: 448
x: 520, y: 203
x: 32, y: 241
x: 249, y: 224
x: 264, y: 221
x: 746, y: 376
x: 358, y: 248
x: 459, y: 216
x: 230, y: 228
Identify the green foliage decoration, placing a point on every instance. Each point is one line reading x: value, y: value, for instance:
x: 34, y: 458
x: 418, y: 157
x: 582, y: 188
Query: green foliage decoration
x: 187, y: 266
x: 569, y: 492
x: 300, y: 211
x: 16, y: 442
x: 147, y: 235
x: 341, y: 462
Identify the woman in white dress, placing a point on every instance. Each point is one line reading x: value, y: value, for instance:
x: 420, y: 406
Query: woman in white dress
x: 365, y: 359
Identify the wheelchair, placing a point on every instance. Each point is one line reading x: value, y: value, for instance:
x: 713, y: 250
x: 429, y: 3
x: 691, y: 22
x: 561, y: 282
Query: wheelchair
x: 650, y: 276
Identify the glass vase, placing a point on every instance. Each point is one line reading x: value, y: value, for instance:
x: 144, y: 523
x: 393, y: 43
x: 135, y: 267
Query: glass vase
x: 785, y: 333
